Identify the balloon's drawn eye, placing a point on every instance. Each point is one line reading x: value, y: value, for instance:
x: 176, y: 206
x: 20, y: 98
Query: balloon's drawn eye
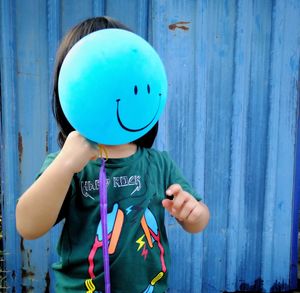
x: 135, y: 90
x: 148, y: 88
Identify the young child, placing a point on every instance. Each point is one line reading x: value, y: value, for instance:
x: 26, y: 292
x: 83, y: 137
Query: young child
x: 141, y: 184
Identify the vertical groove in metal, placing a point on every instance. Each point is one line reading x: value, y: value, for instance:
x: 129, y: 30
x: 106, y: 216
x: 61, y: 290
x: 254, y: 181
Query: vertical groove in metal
x: 53, y: 31
x: 99, y: 7
x: 267, y: 233
x: 158, y: 38
x: 220, y: 61
x: 281, y: 145
x: 296, y: 204
x: 143, y: 18
x: 10, y: 165
x: 199, y: 116
x: 167, y: 35
x: 240, y: 98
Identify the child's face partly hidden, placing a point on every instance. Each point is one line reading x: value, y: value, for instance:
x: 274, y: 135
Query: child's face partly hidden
x: 113, y: 87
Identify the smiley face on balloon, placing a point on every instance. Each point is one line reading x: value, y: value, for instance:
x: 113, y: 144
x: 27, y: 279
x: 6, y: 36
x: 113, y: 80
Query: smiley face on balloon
x: 112, y: 86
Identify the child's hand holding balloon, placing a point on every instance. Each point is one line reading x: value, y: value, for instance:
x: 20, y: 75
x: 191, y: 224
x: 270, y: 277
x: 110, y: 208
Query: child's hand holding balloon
x: 77, y: 152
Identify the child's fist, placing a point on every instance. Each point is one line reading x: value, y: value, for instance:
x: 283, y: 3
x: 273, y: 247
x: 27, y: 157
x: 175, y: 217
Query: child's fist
x: 77, y: 152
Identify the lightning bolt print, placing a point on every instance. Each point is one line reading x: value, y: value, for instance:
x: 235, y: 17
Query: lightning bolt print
x: 140, y: 242
x: 145, y: 252
x: 129, y: 210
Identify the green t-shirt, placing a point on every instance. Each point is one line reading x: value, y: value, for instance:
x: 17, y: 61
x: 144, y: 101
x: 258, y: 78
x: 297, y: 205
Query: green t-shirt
x: 137, y: 241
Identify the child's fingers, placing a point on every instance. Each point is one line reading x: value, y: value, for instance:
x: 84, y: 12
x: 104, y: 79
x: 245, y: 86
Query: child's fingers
x: 167, y: 204
x: 178, y: 202
x: 194, y: 215
x: 187, y: 210
x: 174, y: 189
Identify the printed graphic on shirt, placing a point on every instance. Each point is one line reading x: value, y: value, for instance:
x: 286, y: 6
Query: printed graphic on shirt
x: 150, y: 238
x: 88, y: 186
x: 115, y: 221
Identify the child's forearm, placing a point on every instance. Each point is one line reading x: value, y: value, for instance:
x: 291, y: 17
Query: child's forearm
x: 200, y: 223
x: 38, y: 207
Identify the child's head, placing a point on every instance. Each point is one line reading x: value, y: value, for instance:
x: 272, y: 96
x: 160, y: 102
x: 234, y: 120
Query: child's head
x: 73, y: 36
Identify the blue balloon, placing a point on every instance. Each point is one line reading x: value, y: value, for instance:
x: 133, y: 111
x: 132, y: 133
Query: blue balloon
x: 112, y: 86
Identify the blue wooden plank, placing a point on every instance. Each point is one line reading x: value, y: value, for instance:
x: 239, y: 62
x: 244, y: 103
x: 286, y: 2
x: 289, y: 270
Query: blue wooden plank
x: 74, y: 12
x: 281, y: 146
x: 296, y: 210
x: 199, y: 243
x: 99, y: 8
x: 219, y: 42
x: 168, y: 34
x: 250, y: 234
x: 53, y: 35
x: 9, y: 149
x: 158, y: 38
x: 127, y: 12
x: 240, y: 100
x: 32, y: 93
x: 143, y: 18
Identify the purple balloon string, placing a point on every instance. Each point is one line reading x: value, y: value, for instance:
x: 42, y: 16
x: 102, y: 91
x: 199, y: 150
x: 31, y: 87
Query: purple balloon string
x: 103, y: 216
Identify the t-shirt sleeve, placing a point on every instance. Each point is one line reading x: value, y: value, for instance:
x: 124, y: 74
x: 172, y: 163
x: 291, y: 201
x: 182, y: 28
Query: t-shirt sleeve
x: 62, y: 213
x: 176, y: 176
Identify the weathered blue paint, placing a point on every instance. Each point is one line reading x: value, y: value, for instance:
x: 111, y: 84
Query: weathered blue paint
x: 296, y: 206
x: 281, y: 143
x: 10, y: 143
x: 53, y: 36
x: 230, y: 123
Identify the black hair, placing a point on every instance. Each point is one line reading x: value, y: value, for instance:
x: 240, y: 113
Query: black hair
x: 72, y: 37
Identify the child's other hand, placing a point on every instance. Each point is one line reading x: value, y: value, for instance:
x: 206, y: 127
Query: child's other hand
x: 77, y: 152
x: 191, y: 214
x: 184, y: 207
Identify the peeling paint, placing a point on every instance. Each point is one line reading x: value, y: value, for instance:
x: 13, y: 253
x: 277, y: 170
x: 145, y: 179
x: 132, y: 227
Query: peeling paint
x: 47, y: 279
x: 27, y: 274
x: 280, y: 287
x: 47, y: 142
x: 180, y: 25
x: 258, y: 286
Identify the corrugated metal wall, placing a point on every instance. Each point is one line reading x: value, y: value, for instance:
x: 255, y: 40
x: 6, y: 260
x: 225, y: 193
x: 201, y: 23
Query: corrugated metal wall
x: 230, y: 123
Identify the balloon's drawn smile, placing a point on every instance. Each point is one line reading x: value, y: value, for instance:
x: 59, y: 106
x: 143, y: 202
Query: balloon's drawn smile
x: 138, y: 129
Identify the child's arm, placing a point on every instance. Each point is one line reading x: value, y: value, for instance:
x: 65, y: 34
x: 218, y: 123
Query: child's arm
x: 39, y: 206
x: 190, y: 213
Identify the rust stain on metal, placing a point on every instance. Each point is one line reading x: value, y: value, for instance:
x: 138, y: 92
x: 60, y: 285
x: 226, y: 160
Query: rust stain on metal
x: 180, y: 25
x: 20, y: 147
x: 27, y: 274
